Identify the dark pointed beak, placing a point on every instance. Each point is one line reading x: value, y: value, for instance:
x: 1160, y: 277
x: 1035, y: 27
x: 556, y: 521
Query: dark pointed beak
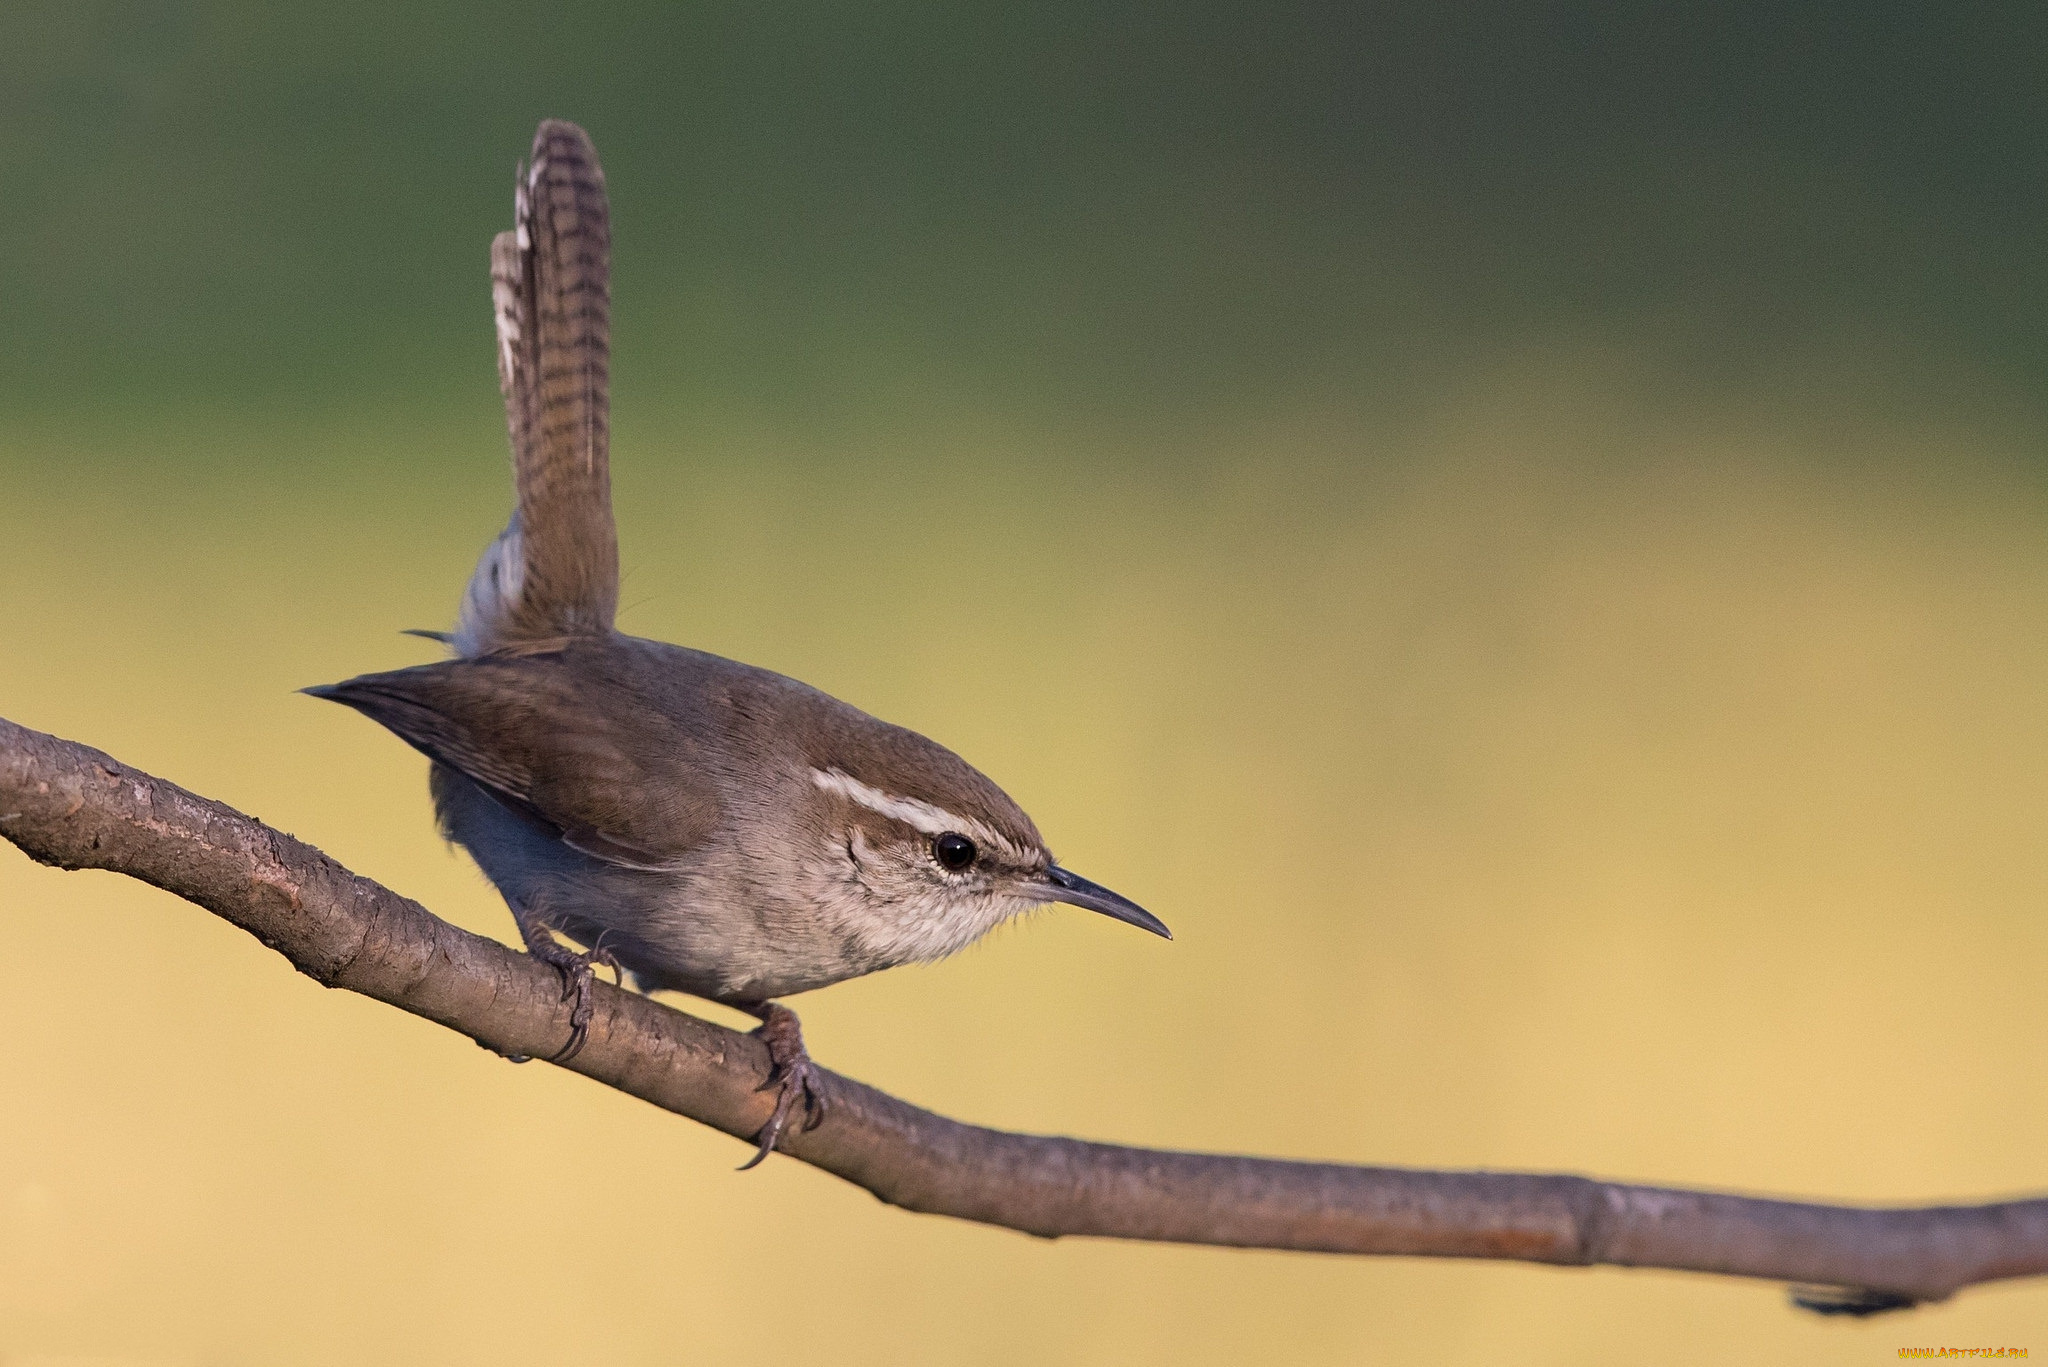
x: 1077, y: 891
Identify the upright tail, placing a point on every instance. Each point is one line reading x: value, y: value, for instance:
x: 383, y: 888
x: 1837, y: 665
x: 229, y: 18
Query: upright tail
x: 554, y: 571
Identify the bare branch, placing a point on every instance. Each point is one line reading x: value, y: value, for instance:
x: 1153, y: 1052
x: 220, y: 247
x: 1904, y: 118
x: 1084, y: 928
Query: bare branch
x: 73, y: 807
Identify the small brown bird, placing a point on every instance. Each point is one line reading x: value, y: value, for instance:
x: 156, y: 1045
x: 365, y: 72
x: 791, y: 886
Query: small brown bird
x: 701, y: 825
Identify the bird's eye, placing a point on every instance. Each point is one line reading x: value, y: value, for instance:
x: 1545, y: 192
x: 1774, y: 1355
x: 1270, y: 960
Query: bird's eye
x: 952, y: 851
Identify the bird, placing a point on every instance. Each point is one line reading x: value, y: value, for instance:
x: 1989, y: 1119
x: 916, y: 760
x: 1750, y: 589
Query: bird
x: 697, y: 824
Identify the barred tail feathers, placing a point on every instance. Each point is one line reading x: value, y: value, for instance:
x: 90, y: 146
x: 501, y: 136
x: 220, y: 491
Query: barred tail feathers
x: 554, y: 571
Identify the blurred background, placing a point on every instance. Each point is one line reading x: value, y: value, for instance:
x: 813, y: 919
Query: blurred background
x: 1521, y: 530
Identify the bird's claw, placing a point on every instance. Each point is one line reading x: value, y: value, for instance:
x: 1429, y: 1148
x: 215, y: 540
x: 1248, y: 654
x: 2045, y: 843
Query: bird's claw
x: 793, y: 1075
x: 579, y: 982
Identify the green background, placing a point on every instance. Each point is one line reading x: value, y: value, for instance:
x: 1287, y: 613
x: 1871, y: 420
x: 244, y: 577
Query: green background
x: 1518, y: 530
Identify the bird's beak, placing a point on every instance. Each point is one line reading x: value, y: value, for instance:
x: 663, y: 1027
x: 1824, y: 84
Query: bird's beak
x: 1077, y: 891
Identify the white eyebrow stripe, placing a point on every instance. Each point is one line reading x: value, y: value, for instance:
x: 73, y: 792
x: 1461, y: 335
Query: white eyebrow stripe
x: 922, y: 816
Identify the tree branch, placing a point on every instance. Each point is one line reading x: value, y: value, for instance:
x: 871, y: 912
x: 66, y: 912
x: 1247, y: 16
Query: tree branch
x: 73, y: 807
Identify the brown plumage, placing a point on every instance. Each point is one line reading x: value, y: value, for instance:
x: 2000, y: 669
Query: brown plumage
x: 700, y: 824
x: 551, y: 294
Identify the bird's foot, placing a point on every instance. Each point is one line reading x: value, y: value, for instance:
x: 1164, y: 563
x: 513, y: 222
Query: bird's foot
x: 791, y: 1071
x: 578, y: 981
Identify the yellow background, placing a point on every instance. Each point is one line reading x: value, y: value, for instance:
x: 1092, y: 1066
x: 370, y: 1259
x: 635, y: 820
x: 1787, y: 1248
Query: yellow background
x: 1615, y: 744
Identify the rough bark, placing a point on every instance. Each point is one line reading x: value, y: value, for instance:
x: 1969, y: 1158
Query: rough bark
x: 73, y: 807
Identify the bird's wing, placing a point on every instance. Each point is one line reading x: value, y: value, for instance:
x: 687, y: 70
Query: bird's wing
x: 554, y: 571
x: 589, y: 762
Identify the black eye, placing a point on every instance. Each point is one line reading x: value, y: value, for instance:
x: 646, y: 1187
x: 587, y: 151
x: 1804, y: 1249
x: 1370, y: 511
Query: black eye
x: 955, y: 852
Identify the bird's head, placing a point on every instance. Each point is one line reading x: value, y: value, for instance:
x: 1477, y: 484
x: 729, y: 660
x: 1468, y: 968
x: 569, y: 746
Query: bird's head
x: 932, y: 854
